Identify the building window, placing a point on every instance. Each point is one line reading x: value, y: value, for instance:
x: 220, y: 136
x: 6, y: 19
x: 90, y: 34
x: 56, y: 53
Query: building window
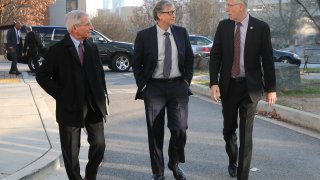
x: 71, y: 5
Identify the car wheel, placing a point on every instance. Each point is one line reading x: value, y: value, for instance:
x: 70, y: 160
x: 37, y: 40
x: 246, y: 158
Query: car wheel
x: 31, y: 65
x: 121, y: 63
x: 285, y: 60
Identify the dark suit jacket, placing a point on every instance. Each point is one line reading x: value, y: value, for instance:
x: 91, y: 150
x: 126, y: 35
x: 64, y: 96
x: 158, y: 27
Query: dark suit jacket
x: 146, y: 55
x: 258, y: 58
x: 30, y: 42
x: 61, y: 76
x: 12, y: 39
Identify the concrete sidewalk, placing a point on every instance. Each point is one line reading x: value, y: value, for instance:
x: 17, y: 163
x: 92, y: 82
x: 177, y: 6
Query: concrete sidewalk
x: 29, y: 141
x: 29, y: 136
x: 289, y: 115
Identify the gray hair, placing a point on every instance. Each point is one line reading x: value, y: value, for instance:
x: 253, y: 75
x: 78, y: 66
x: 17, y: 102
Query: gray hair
x: 159, y: 7
x: 73, y: 17
x: 242, y: 1
x: 28, y: 28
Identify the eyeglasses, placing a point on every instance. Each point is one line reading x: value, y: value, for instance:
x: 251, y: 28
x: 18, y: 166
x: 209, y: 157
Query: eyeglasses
x: 170, y: 12
x: 231, y: 5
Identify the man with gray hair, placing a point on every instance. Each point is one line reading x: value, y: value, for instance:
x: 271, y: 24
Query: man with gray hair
x: 73, y: 75
x: 163, y: 69
x: 241, y: 68
x: 31, y: 45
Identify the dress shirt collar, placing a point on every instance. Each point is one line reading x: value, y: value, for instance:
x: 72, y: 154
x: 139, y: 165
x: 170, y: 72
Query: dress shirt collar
x: 161, y: 31
x: 245, y: 21
x: 75, y: 41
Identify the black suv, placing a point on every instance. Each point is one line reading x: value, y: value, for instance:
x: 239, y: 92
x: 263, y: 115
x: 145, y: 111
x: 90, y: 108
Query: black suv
x: 116, y: 55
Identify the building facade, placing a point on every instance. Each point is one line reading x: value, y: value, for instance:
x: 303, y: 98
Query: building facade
x: 58, y: 10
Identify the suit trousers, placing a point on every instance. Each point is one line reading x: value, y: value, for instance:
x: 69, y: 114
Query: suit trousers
x: 70, y: 145
x: 15, y: 54
x: 239, y: 102
x: 33, y: 56
x: 169, y: 96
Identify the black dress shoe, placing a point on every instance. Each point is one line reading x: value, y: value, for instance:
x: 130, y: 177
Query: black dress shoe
x: 15, y: 72
x: 177, y: 171
x: 157, y: 177
x: 232, y: 169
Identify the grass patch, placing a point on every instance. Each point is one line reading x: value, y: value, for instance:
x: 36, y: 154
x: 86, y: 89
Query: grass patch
x: 312, y: 70
x: 308, y: 88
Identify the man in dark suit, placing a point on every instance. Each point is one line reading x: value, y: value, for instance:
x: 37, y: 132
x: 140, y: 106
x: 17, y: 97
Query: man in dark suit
x: 163, y: 69
x: 73, y: 75
x: 31, y: 44
x: 14, y: 46
x: 241, y: 66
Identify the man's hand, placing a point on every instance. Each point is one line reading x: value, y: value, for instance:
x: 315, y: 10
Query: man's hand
x: 271, y: 98
x: 215, y: 93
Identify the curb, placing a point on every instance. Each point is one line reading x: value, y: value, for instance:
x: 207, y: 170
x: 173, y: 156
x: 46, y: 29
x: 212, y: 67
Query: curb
x: 290, y: 115
x: 51, y: 159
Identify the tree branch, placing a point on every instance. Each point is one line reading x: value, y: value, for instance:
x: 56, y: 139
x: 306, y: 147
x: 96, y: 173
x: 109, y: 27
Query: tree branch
x: 309, y: 15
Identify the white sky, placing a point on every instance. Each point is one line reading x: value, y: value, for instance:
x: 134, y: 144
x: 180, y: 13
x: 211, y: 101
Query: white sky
x: 93, y: 5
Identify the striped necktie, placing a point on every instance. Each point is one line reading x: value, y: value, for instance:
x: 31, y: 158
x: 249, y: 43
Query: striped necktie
x: 80, y: 50
x: 236, y: 56
x: 167, y: 56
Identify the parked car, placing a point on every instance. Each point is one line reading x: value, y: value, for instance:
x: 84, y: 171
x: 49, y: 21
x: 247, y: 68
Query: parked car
x: 286, y: 57
x: 201, y: 45
x: 116, y: 55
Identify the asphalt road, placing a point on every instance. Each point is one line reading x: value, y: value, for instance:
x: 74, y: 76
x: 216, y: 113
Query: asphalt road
x: 278, y: 153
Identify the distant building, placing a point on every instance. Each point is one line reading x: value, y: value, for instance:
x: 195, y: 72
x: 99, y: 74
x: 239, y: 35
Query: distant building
x: 118, y: 7
x: 58, y: 10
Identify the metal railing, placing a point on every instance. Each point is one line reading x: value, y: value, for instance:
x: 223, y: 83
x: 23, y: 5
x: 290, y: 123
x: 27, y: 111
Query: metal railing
x: 311, y: 56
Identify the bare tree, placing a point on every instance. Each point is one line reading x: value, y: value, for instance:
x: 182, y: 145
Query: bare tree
x: 316, y: 23
x: 112, y: 26
x: 203, y: 17
x: 142, y: 16
x: 289, y: 13
x: 27, y: 11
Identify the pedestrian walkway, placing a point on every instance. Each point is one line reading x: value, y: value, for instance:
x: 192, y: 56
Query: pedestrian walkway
x: 29, y: 136
x: 25, y: 143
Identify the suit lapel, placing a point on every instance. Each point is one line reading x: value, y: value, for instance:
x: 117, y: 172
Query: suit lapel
x: 230, y: 39
x: 71, y: 48
x: 176, y: 37
x: 87, y: 52
x: 249, y: 37
x: 154, y: 43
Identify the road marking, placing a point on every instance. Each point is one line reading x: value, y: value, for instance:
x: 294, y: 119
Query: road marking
x: 9, y: 80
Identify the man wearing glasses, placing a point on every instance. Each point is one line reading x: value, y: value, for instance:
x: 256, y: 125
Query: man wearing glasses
x: 241, y: 67
x: 163, y: 69
x: 73, y: 75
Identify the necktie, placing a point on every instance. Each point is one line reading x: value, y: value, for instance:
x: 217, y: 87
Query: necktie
x: 236, y: 57
x: 18, y: 38
x: 167, y: 56
x: 80, y: 50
